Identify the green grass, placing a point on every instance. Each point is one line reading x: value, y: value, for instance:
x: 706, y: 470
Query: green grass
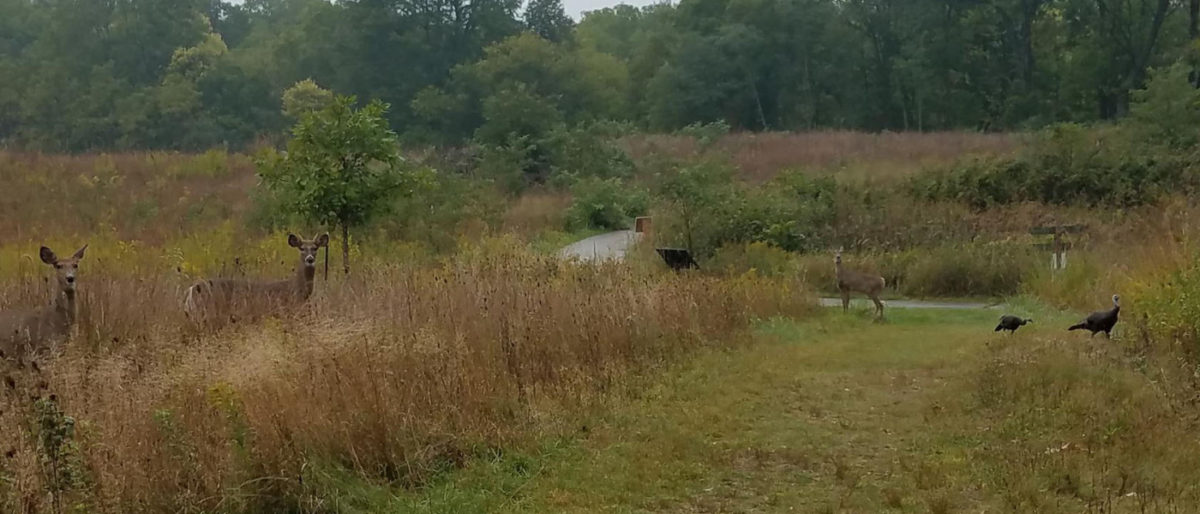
x: 837, y: 414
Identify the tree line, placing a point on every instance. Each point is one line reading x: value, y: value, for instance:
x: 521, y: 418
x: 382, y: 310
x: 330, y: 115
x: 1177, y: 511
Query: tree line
x: 85, y: 75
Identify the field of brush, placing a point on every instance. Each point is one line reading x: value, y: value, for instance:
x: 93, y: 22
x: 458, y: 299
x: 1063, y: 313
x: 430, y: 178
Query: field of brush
x: 461, y: 354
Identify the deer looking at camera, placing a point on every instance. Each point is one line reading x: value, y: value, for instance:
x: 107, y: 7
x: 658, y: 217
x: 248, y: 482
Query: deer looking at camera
x: 218, y: 299
x: 27, y: 332
x: 849, y: 281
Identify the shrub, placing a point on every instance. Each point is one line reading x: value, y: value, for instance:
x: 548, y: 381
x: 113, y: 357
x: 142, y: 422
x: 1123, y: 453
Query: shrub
x: 587, y: 150
x: 968, y: 270
x: 757, y: 257
x: 706, y: 134
x: 1167, y: 110
x: 608, y: 204
x: 1068, y: 164
x: 706, y: 208
x: 794, y: 212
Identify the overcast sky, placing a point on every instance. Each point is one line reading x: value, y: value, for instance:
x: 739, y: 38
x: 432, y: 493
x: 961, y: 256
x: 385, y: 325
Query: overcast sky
x: 575, y: 8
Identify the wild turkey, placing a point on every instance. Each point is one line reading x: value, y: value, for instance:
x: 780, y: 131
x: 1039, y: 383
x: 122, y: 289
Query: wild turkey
x: 1011, y: 323
x: 1102, y: 321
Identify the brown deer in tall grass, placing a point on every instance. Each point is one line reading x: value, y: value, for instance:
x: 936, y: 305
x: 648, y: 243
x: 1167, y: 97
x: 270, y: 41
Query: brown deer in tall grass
x: 219, y: 299
x: 27, y: 332
x: 850, y: 281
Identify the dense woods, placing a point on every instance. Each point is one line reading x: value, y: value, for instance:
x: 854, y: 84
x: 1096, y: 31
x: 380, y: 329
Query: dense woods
x: 193, y: 74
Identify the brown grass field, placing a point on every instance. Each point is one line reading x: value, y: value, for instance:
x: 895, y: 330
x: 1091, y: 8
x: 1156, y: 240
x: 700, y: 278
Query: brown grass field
x: 853, y: 155
x: 436, y: 380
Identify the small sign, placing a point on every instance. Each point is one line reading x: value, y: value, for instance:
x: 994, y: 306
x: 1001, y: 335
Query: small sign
x: 1058, y: 247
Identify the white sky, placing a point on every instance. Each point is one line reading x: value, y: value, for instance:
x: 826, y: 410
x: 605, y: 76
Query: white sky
x: 575, y: 8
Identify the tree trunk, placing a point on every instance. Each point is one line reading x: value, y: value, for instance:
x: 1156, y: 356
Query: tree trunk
x: 1029, y: 10
x: 346, y: 248
x: 1193, y: 19
x: 1193, y: 33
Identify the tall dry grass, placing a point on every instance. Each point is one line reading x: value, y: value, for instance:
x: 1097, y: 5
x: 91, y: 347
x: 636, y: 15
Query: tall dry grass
x: 394, y: 373
x: 762, y: 156
x: 144, y: 195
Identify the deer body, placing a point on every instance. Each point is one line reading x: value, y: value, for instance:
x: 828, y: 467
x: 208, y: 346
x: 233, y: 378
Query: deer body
x: 850, y: 281
x: 25, y: 332
x: 212, y: 299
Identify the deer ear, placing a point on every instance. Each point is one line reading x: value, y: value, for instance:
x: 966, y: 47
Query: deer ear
x: 293, y: 241
x: 48, y: 256
x: 79, y: 253
x: 322, y: 240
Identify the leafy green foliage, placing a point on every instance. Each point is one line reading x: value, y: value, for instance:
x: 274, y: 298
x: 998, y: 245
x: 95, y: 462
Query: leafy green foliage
x: 305, y: 97
x: 547, y: 19
x: 608, y: 204
x: 58, y: 451
x: 195, y: 74
x: 1167, y: 110
x: 1067, y: 165
x: 706, y: 208
x: 341, y: 167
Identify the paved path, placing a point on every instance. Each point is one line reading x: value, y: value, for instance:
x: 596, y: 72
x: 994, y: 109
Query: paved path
x: 612, y: 245
x: 908, y: 304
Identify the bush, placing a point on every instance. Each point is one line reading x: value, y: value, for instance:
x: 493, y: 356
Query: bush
x: 964, y: 270
x: 608, y: 204
x: 706, y: 134
x: 1167, y: 111
x: 968, y: 270
x: 1069, y: 164
x: 1174, y: 307
x: 794, y: 212
x: 559, y: 156
x: 758, y: 257
x: 706, y: 208
x: 588, y: 150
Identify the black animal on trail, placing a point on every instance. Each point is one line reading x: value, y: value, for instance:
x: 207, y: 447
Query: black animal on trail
x: 1102, y: 321
x: 1011, y: 323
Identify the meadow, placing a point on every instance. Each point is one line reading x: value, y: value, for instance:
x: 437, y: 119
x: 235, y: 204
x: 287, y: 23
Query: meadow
x: 463, y: 366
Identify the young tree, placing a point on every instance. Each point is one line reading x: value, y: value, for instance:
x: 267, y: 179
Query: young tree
x: 305, y: 97
x: 341, y: 166
x: 547, y: 18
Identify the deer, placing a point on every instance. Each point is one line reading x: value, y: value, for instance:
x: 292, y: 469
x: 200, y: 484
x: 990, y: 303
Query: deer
x: 28, y: 332
x: 850, y: 281
x: 212, y: 299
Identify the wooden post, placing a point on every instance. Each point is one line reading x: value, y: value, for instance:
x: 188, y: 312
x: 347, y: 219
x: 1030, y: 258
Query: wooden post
x: 641, y: 225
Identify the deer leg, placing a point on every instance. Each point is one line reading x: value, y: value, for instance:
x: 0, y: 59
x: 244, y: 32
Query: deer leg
x: 878, y: 305
x: 845, y: 300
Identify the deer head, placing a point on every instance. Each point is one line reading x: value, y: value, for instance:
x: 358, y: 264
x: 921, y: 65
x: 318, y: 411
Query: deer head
x: 65, y: 270
x: 308, y: 249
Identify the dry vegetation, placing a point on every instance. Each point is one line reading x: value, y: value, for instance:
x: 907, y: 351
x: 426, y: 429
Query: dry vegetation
x: 394, y: 374
x: 142, y: 195
x: 421, y: 360
x: 858, y: 155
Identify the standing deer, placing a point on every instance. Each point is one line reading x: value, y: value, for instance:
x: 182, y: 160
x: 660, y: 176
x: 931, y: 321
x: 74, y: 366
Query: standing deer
x: 850, y: 281
x: 26, y: 332
x: 214, y: 299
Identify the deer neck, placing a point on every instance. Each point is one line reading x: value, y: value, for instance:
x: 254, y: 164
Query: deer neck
x: 304, y: 279
x: 837, y: 268
x: 64, y: 306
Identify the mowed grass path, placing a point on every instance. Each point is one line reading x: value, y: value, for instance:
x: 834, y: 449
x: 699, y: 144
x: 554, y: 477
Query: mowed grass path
x: 835, y: 414
x: 930, y: 411
x: 838, y: 414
